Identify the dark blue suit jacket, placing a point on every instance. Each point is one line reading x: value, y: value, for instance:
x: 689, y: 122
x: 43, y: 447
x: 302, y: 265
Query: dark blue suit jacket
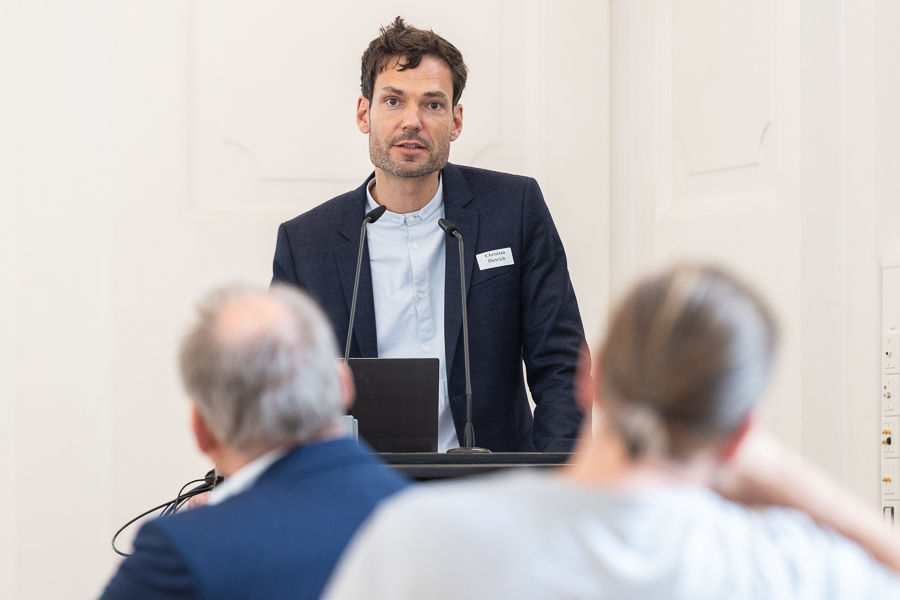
x: 279, y: 539
x: 527, y: 310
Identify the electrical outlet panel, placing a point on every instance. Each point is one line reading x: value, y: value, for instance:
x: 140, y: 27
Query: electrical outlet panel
x: 889, y: 351
x: 889, y: 387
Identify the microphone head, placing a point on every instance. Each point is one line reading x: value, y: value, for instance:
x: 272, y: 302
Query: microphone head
x: 212, y: 478
x: 448, y: 227
x: 375, y: 214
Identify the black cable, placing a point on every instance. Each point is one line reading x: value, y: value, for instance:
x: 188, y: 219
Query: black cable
x: 181, y: 491
x: 123, y: 527
x: 171, y: 506
x: 175, y: 504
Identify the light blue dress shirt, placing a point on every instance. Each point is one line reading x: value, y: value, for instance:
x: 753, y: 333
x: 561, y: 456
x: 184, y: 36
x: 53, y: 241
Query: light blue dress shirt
x: 406, y: 255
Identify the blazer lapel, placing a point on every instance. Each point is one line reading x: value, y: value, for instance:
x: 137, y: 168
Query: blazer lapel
x: 457, y: 197
x: 350, y: 222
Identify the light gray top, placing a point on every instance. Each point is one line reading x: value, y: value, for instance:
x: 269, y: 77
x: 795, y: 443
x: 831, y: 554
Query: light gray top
x: 534, y: 535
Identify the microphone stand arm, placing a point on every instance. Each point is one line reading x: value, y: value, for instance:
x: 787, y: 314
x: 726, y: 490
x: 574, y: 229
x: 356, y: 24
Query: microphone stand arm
x: 468, y: 445
x: 469, y: 434
x: 362, y: 240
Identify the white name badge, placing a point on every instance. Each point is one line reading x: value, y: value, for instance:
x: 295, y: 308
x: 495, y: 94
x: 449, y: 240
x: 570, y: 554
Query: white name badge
x: 495, y: 258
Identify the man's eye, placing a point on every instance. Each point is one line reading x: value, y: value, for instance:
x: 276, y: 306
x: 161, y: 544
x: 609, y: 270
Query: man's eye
x: 434, y: 105
x: 392, y: 102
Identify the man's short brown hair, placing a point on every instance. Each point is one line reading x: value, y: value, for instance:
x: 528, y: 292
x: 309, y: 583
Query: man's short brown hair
x: 402, y: 47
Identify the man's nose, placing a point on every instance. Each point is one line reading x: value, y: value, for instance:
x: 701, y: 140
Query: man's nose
x: 412, y: 118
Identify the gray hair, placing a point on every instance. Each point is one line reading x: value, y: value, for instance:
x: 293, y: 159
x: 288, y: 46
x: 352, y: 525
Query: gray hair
x: 687, y: 356
x: 261, y: 367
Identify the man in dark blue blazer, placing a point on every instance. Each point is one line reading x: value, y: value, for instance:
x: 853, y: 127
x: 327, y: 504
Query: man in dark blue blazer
x: 268, y: 400
x: 521, y: 304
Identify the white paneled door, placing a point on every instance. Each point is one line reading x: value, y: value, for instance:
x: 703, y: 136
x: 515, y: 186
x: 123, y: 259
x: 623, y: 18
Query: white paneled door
x: 741, y: 134
x: 699, y: 123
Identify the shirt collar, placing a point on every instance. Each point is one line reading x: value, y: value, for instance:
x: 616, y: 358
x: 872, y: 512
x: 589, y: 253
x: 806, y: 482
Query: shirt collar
x: 419, y: 216
x: 244, y: 478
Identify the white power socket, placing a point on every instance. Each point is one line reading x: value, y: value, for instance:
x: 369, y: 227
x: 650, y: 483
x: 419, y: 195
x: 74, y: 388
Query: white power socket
x: 889, y: 351
x: 889, y: 445
x: 889, y: 475
x: 889, y: 393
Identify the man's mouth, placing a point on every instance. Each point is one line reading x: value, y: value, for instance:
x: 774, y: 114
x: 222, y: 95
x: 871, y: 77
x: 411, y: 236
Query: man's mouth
x: 410, y: 146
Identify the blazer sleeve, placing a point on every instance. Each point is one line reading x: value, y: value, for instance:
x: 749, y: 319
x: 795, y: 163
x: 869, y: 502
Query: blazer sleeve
x: 283, y: 270
x: 156, y: 570
x: 552, y: 333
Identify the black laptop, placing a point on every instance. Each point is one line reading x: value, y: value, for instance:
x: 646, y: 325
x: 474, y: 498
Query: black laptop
x: 397, y: 403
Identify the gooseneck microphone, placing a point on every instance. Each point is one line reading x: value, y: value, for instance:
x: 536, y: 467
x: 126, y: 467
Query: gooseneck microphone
x: 469, y: 432
x: 371, y: 216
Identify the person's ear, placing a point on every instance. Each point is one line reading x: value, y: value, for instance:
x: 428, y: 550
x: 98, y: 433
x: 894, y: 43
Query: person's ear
x: 362, y: 114
x: 731, y: 446
x: 457, y: 122
x: 206, y: 440
x: 348, y: 390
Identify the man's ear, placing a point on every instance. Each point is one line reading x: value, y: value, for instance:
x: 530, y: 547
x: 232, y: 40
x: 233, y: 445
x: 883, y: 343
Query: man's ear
x: 732, y: 445
x: 348, y: 390
x: 362, y: 114
x: 206, y: 440
x: 457, y: 122
x: 585, y: 389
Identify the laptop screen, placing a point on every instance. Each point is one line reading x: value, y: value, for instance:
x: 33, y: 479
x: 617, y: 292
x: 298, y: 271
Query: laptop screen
x: 397, y: 402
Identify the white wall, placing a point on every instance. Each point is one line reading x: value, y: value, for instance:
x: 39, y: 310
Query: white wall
x: 153, y: 149
x: 9, y: 165
x: 886, y: 48
x: 57, y: 298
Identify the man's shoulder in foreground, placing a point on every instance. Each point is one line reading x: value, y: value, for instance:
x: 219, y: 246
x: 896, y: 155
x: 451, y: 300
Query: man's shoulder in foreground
x: 466, y: 527
x: 281, y: 537
x: 540, y: 536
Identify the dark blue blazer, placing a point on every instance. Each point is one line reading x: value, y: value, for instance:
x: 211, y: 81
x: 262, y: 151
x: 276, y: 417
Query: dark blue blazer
x: 524, y: 311
x: 279, y: 539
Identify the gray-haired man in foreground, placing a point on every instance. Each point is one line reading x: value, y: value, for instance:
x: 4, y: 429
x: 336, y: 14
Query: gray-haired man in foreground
x: 268, y: 395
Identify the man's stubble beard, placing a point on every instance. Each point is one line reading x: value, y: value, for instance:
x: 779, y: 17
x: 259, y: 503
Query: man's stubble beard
x: 380, y: 155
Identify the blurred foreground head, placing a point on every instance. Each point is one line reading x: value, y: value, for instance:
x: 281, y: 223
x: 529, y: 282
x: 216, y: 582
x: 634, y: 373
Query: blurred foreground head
x: 685, y: 360
x: 260, y: 366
